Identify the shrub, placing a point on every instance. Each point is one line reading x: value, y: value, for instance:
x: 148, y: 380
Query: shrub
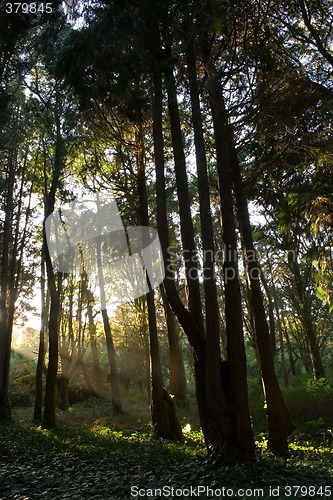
x: 20, y: 398
x: 310, y: 401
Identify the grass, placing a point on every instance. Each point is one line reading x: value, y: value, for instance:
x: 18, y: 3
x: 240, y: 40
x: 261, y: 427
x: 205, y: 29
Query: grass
x: 92, y: 454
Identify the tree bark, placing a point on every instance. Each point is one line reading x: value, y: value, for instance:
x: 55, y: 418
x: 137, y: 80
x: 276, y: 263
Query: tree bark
x: 111, y: 352
x: 13, y: 244
x: 304, y: 308
x: 93, y: 342
x: 37, y: 417
x: 66, y: 345
x: 177, y: 385
x: 5, y: 330
x: 280, y: 331
x: 164, y: 417
x: 243, y: 438
x: 194, y: 332
x: 279, y: 422
x: 184, y: 200
x: 217, y: 380
x: 49, y: 417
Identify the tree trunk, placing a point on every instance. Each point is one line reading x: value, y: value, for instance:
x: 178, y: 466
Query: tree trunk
x: 177, y: 369
x: 184, y: 202
x: 311, y: 335
x: 210, y: 395
x: 13, y: 243
x: 243, y: 436
x: 165, y: 422
x: 280, y: 332
x: 115, y: 389
x: 49, y: 417
x: 279, y: 422
x: 217, y: 379
x: 163, y: 410
x: 93, y: 343
x: 147, y: 360
x: 270, y: 301
x: 5, y: 331
x: 87, y: 298
x: 306, y: 318
x: 283, y: 356
x: 289, y: 350
x: 185, y: 318
x: 37, y: 417
x: 63, y: 383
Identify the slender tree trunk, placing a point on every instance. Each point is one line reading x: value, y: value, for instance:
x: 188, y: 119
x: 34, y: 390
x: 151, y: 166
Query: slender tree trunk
x: 93, y: 344
x: 163, y: 410
x: 49, y: 417
x: 13, y: 243
x: 244, y: 441
x: 37, y: 417
x: 217, y: 380
x: 280, y: 332
x: 311, y: 334
x: 184, y: 202
x: 80, y: 363
x: 165, y: 422
x: 279, y: 422
x: 193, y: 326
x: 147, y: 361
x: 63, y: 384
x: 289, y: 349
x: 210, y: 394
x: 115, y: 389
x: 272, y: 329
x: 283, y: 355
x: 306, y: 318
x: 194, y: 333
x: 177, y: 369
x: 87, y: 298
x: 66, y: 345
x: 5, y: 331
x: 185, y: 318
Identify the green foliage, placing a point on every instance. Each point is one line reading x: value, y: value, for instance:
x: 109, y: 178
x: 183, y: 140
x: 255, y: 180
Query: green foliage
x: 91, y: 456
x: 22, y: 384
x: 311, y: 404
x: 20, y: 398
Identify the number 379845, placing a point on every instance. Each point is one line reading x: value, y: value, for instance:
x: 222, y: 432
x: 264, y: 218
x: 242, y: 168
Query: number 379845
x: 28, y: 8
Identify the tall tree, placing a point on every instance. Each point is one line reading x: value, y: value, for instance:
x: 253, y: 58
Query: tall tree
x: 164, y: 417
x: 49, y: 416
x: 279, y: 422
x: 178, y: 385
x: 111, y: 352
x: 38, y: 404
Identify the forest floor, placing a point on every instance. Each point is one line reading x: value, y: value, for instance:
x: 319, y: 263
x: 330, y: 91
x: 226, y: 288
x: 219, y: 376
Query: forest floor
x: 92, y: 454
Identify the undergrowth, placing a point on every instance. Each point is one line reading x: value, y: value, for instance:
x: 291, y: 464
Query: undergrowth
x: 93, y: 454
x: 97, y: 455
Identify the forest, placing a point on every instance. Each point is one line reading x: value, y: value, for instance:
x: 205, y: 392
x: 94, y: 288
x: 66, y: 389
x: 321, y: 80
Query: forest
x: 166, y: 271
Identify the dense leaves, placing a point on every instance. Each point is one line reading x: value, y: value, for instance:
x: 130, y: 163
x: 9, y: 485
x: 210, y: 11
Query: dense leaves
x: 100, y: 459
